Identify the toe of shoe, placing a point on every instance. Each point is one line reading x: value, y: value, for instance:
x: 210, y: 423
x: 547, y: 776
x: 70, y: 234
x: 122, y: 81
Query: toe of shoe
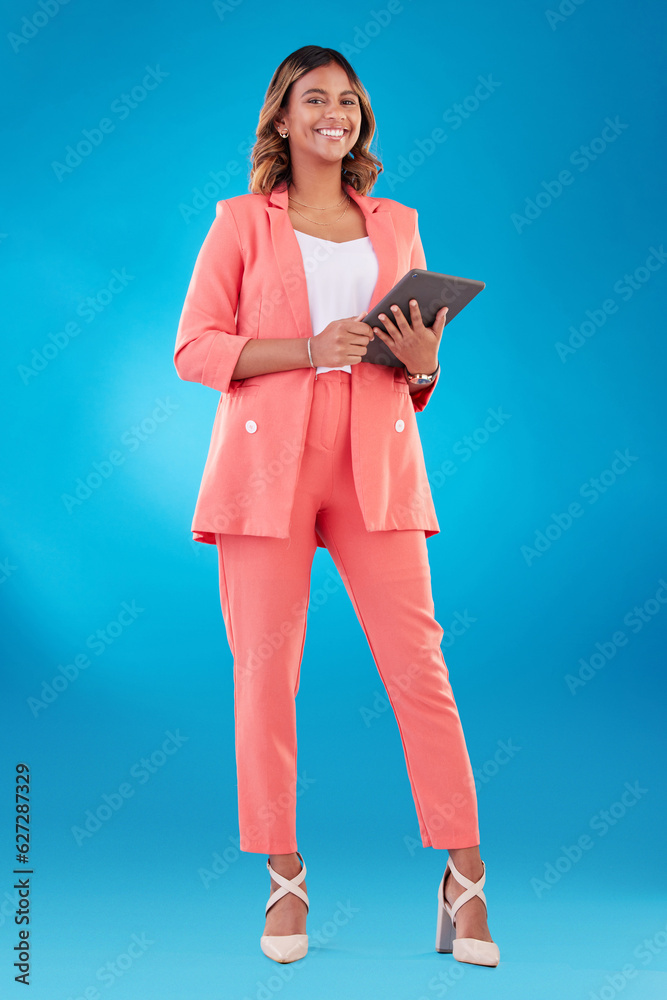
x: 476, y: 952
x: 284, y: 948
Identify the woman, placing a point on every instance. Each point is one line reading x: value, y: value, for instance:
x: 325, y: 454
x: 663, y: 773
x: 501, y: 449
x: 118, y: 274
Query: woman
x: 312, y: 446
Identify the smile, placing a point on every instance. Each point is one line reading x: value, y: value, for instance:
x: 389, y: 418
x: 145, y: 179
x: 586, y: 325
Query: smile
x: 332, y: 133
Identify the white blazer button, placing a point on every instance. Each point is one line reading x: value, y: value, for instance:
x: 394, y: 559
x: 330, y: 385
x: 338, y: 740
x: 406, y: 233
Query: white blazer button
x: 250, y: 426
x: 399, y: 425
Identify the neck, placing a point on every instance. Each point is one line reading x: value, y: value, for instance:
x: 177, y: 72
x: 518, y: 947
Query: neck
x: 321, y: 188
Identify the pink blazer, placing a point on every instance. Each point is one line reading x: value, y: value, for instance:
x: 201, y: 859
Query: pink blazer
x: 249, y: 281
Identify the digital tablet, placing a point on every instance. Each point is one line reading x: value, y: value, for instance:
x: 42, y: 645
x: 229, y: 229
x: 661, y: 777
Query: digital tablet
x: 432, y: 291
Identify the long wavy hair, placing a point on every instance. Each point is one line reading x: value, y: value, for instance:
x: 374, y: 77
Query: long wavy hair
x: 270, y: 156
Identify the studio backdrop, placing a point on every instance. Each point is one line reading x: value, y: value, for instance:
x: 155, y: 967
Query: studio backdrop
x: 531, y: 142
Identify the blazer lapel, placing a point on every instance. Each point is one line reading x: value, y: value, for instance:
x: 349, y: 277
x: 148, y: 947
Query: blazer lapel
x: 380, y: 229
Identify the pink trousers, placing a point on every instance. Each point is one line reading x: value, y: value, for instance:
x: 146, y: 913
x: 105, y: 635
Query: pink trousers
x: 264, y: 592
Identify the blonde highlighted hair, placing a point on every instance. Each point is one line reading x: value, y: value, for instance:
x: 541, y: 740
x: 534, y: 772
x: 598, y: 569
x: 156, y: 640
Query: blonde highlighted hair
x: 270, y: 156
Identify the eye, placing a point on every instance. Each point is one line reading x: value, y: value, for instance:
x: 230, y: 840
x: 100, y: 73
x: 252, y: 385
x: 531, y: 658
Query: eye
x: 347, y: 100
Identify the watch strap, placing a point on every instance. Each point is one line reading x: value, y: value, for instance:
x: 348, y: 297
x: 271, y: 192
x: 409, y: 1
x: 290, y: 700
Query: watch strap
x: 431, y: 376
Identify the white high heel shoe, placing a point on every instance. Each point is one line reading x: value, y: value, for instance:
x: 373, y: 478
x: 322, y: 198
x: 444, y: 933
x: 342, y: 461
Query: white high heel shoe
x: 464, y: 949
x: 285, y: 947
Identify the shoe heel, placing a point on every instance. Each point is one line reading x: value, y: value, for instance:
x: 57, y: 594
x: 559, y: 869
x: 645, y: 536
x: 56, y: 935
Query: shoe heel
x: 444, y: 933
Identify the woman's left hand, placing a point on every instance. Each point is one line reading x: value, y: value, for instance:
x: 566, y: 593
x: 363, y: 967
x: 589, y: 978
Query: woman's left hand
x: 414, y: 344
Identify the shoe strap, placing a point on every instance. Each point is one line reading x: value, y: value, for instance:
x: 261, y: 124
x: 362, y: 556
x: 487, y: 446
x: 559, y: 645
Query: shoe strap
x: 287, y: 884
x: 472, y: 889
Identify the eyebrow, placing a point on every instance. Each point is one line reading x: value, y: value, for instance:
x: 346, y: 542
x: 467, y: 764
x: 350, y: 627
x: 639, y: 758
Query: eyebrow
x: 321, y: 90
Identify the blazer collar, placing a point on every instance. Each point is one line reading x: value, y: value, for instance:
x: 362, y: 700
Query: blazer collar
x: 379, y: 227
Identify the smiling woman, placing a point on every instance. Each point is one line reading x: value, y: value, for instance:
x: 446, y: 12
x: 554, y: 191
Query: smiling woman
x: 312, y: 446
x: 324, y: 111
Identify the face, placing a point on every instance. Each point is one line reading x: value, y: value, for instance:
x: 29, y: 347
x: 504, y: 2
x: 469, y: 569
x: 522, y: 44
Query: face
x: 322, y: 99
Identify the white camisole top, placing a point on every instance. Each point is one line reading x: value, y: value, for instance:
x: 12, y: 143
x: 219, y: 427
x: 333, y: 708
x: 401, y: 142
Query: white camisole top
x: 341, y: 279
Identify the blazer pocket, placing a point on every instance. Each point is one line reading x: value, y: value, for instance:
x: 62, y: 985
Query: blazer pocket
x: 245, y: 387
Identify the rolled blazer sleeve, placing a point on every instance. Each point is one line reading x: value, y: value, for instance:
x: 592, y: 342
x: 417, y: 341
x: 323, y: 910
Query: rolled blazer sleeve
x: 207, y: 344
x: 418, y: 259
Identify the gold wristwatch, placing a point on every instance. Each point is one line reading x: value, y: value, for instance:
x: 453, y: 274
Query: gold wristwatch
x: 419, y: 379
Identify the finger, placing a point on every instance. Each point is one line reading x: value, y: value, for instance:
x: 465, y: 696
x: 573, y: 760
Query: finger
x: 361, y: 327
x: 415, y: 313
x: 383, y: 335
x: 391, y: 329
x: 362, y: 336
x: 400, y: 320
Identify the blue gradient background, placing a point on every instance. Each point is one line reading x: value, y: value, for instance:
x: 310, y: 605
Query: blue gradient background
x: 66, y: 575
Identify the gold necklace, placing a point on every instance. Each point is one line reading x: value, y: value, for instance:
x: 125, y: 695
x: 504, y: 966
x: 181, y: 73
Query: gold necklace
x: 316, y: 208
x: 322, y: 223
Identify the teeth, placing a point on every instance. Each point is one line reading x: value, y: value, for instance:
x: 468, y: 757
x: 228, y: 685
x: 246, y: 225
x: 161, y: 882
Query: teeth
x: 331, y: 131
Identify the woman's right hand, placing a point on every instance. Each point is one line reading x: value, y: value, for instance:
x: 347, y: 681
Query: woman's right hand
x: 342, y: 342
